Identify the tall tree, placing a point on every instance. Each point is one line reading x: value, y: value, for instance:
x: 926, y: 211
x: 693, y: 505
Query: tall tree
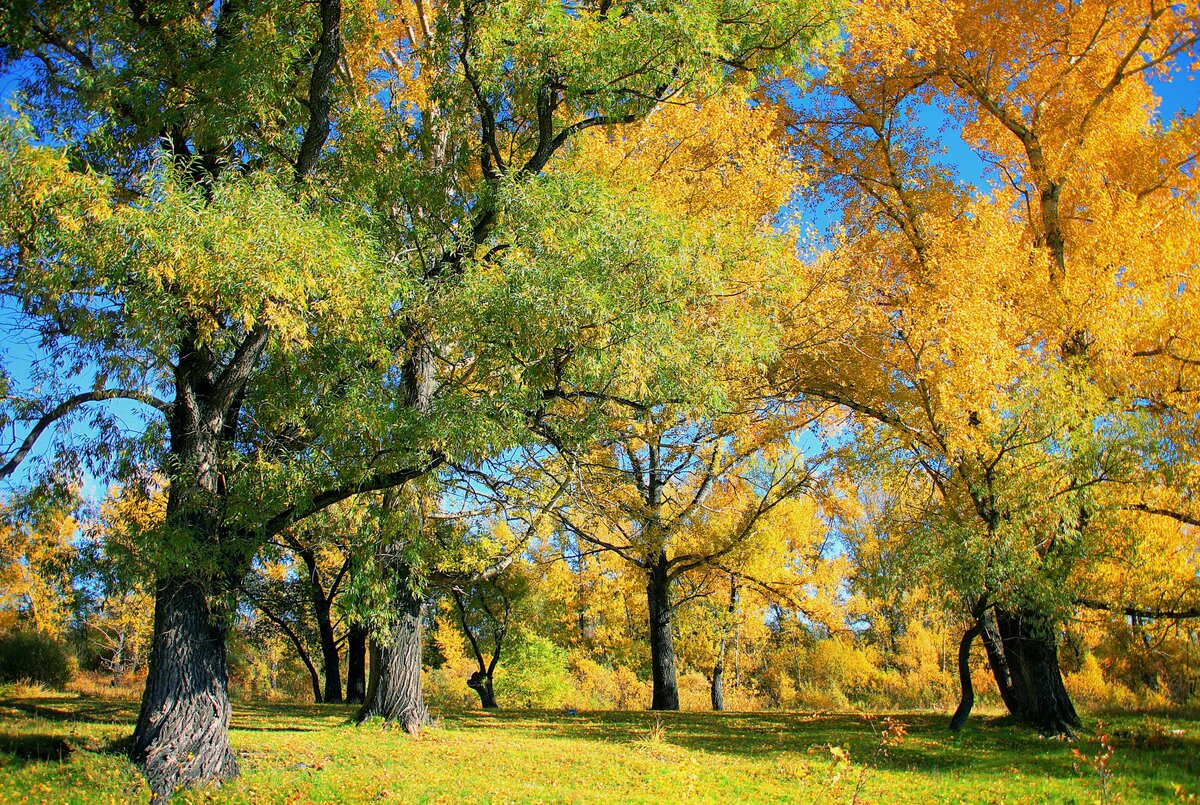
x: 1030, y: 279
x: 148, y: 254
x: 527, y: 268
x: 164, y: 257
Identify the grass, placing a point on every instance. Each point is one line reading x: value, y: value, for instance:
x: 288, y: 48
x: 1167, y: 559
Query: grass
x: 68, y: 748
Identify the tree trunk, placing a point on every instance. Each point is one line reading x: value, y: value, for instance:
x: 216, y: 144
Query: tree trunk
x: 313, y: 678
x: 1031, y: 652
x: 396, y: 694
x: 330, y: 657
x: 322, y: 605
x: 356, y: 664
x: 717, y: 689
x: 374, y: 654
x: 662, y: 644
x: 997, y: 661
x: 967, y: 700
x: 182, y: 734
x: 481, y: 683
x: 1023, y: 653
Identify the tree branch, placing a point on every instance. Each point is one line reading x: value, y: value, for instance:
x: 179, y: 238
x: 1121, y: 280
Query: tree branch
x: 1140, y: 612
x: 320, y: 86
x: 323, y: 500
x: 71, y: 404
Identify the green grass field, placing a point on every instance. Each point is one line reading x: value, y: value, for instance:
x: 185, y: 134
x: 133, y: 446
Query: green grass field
x: 67, y: 748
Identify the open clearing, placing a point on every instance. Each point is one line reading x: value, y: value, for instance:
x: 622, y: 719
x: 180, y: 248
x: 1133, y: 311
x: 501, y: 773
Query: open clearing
x: 66, y: 748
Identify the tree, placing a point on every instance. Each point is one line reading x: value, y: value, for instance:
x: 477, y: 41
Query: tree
x: 485, y: 612
x: 977, y: 296
x: 120, y: 611
x: 148, y: 254
x: 670, y: 496
x: 279, y: 590
x: 165, y: 256
x: 298, y: 581
x: 526, y: 273
x: 789, y: 563
x: 38, y: 568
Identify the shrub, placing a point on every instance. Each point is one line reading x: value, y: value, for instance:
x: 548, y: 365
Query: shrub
x: 34, y: 657
x: 533, y: 673
x: 695, y: 692
x: 598, y: 687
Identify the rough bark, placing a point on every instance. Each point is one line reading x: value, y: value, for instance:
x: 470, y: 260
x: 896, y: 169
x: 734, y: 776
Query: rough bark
x: 396, y: 693
x: 662, y: 643
x: 1023, y: 654
x: 1035, y: 679
x: 182, y: 734
x: 356, y: 664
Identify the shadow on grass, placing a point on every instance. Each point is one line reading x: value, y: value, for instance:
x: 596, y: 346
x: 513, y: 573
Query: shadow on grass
x: 994, y: 746
x: 247, y: 715
x: 283, y: 717
x: 91, y: 711
x: 36, y: 748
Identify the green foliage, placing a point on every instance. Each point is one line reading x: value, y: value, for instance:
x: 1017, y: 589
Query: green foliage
x: 600, y: 289
x: 532, y: 673
x: 33, y: 657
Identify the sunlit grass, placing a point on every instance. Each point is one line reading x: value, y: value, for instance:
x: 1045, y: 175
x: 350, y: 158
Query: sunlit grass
x: 67, y: 748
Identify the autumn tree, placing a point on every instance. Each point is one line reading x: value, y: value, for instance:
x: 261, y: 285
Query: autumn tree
x: 670, y: 496
x: 528, y: 269
x: 119, y: 621
x: 1012, y: 327
x: 149, y: 247
x: 39, y: 564
x: 790, y: 564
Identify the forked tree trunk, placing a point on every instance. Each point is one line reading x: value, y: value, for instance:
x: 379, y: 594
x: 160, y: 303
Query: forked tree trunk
x: 662, y: 642
x: 182, y: 734
x: 395, y: 692
x: 1038, y: 695
x: 322, y: 609
x: 481, y: 681
x: 356, y: 664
